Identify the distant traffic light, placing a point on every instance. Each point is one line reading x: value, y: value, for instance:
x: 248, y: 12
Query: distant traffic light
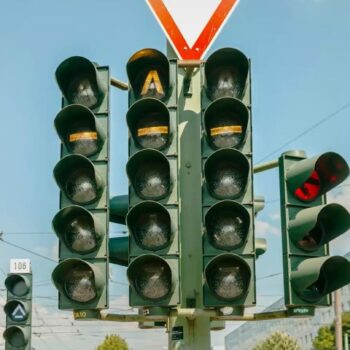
x: 309, y: 224
x: 228, y: 198
x: 18, y: 311
x: 152, y: 220
x: 82, y: 175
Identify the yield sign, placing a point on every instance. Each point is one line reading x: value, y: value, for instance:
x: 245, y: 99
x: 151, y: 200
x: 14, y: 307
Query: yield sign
x: 192, y: 25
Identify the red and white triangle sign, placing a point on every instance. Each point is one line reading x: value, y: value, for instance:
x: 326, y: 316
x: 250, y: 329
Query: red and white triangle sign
x: 191, y: 26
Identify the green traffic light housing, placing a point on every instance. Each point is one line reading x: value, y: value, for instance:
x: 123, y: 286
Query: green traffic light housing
x: 81, y: 231
x: 226, y: 121
x: 79, y: 82
x: 149, y: 74
x: 79, y: 130
x: 80, y: 282
x: 226, y: 72
x: 78, y: 179
x: 149, y: 124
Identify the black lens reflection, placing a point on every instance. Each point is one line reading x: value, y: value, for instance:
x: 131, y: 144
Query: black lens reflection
x: 82, y: 90
x: 152, y: 229
x: 82, y: 139
x: 81, y: 186
x: 80, y: 234
x: 153, y: 279
x: 80, y: 284
x: 313, y: 239
x: 227, y: 179
x: 152, y: 131
x: 152, y: 180
x: 228, y: 278
x: 227, y: 229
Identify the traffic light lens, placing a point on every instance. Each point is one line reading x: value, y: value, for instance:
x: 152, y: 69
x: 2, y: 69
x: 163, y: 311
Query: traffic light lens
x: 228, y: 278
x: 80, y: 284
x: 152, y: 230
x: 153, y: 131
x: 227, y: 180
x: 83, y: 140
x: 83, y: 91
x: 152, y: 180
x: 80, y: 235
x: 81, y: 187
x: 15, y: 337
x: 226, y: 135
x: 227, y: 229
x: 313, y: 239
x: 17, y: 285
x: 310, y: 189
x: 153, y: 280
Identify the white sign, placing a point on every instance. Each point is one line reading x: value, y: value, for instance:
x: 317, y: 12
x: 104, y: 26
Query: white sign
x: 191, y: 26
x: 20, y: 266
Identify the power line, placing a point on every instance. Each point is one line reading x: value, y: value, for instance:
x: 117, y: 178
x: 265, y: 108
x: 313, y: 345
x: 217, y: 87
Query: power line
x: 306, y: 131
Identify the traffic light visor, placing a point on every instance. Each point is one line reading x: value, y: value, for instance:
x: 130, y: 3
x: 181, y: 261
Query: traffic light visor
x: 17, y: 285
x: 78, y: 280
x: 226, y: 121
x: 311, y: 178
x: 228, y: 277
x: 227, y: 225
x: 79, y: 130
x: 227, y: 173
x: 79, y: 83
x: 149, y: 74
x: 80, y: 231
x: 78, y: 179
x: 149, y: 123
x: 151, y: 277
x: 150, y: 225
x: 226, y: 72
x: 149, y: 174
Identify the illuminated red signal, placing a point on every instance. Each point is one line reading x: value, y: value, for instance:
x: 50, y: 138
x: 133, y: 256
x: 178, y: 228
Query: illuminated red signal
x: 310, y: 189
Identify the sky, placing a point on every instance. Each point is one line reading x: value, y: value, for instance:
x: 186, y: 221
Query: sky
x: 300, y: 79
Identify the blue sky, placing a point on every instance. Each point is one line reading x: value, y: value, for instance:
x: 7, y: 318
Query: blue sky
x: 300, y: 70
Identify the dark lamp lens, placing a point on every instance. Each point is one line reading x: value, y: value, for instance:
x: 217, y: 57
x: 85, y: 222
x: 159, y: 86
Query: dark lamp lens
x: 152, y: 230
x: 81, y: 187
x: 153, y: 280
x: 18, y: 287
x: 152, y: 180
x: 83, y: 91
x: 16, y: 338
x: 152, y: 131
x: 226, y: 135
x: 228, y: 279
x: 227, y: 180
x: 310, y: 189
x: 315, y: 291
x: 313, y: 239
x: 80, y: 284
x: 82, y: 139
x: 227, y: 229
x: 80, y: 234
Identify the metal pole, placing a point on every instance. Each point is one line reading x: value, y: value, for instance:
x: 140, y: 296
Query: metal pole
x: 338, y: 320
x: 265, y: 166
x: 119, y: 84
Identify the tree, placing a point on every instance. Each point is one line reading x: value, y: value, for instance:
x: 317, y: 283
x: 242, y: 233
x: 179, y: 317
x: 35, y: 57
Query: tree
x: 278, y: 341
x: 325, y: 339
x: 113, y: 342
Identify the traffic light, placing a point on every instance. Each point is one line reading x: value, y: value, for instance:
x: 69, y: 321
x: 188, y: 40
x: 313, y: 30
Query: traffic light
x: 18, y: 310
x: 228, y: 198
x: 152, y: 220
x: 81, y: 225
x: 309, y: 224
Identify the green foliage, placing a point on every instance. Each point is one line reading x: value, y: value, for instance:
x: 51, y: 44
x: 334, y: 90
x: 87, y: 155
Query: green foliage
x: 325, y: 339
x: 113, y: 342
x: 278, y: 341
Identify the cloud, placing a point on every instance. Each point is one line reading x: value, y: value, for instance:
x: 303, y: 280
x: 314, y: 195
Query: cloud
x: 264, y: 228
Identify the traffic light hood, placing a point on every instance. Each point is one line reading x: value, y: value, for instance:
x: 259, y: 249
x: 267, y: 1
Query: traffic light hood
x: 75, y: 68
x: 74, y: 116
x: 18, y: 285
x: 310, y: 178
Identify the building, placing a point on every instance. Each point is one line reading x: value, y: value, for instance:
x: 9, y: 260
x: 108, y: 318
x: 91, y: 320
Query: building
x: 303, y: 329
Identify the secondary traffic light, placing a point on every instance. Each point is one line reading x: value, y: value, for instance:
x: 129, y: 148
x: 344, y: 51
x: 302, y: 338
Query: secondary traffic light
x: 228, y: 199
x: 152, y: 219
x: 81, y: 225
x: 18, y: 310
x: 309, y: 224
